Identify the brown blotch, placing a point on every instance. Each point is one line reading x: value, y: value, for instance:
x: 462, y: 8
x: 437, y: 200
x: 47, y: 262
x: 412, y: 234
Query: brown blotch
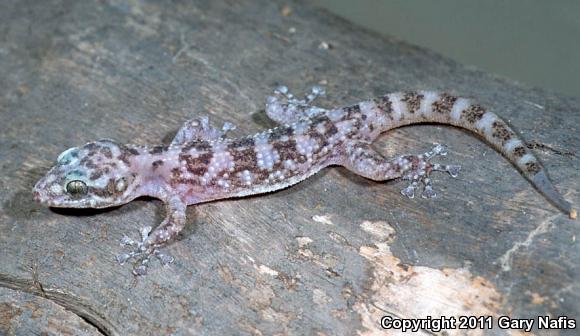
x: 129, y: 150
x: 413, y: 101
x: 177, y: 181
x: 280, y: 132
x: 92, y: 146
x: 243, y: 142
x: 196, y: 165
x: 200, y: 145
x: 88, y: 162
x: 533, y: 167
x: 96, y: 174
x: 286, y: 150
x: 158, y: 149
x: 473, y: 113
x: 445, y: 104
x: 330, y: 129
x: 322, y: 140
x: 396, y: 167
x: 350, y: 110
x: 385, y: 105
x: 107, y: 191
x: 244, y: 157
x: 519, y: 151
x: 126, y: 152
x: 321, y: 118
x: 156, y: 164
x: 106, y: 151
x: 501, y: 131
x: 260, y: 177
x: 203, y: 145
x: 98, y: 191
x: 123, y: 157
x: 175, y: 173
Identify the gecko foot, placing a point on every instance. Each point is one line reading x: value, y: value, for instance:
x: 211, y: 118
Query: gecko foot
x: 315, y: 92
x: 421, y: 168
x: 142, y: 253
x: 284, y: 107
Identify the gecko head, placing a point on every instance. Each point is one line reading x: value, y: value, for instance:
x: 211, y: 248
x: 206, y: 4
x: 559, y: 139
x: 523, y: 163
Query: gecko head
x: 96, y: 175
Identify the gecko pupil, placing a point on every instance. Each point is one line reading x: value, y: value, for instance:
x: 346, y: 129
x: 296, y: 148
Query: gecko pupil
x: 76, y: 187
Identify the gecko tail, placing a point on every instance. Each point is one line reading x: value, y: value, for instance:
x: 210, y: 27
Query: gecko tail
x: 544, y: 186
x: 404, y: 108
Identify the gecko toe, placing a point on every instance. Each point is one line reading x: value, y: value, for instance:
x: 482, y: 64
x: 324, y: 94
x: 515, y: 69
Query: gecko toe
x: 123, y: 257
x: 429, y: 192
x: 164, y: 259
x: 126, y: 241
x: 140, y: 270
x: 453, y: 170
x: 409, y: 191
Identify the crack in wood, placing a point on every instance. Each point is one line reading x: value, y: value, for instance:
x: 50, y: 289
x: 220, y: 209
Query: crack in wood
x: 59, y: 297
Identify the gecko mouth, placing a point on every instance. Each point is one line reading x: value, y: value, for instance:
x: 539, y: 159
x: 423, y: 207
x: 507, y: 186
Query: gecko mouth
x: 47, y: 198
x: 56, y: 203
x: 44, y: 199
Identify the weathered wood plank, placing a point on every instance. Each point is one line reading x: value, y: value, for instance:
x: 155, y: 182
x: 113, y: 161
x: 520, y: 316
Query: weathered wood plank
x: 329, y: 256
x: 27, y: 314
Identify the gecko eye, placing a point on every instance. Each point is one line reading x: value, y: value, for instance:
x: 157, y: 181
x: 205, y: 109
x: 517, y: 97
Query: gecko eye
x: 76, y: 187
x: 121, y: 184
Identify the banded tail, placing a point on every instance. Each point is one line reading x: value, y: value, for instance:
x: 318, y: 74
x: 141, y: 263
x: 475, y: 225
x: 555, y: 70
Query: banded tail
x: 403, y: 108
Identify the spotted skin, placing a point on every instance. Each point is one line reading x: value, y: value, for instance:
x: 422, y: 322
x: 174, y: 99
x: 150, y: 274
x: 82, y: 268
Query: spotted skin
x: 473, y: 114
x: 444, y: 104
x: 202, y: 165
x: 520, y: 151
x: 413, y: 101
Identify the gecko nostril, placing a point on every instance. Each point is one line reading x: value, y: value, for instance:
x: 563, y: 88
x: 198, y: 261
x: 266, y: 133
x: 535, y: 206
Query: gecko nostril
x: 37, y: 196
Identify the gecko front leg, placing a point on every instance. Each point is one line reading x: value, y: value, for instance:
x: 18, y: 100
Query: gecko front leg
x: 151, y: 242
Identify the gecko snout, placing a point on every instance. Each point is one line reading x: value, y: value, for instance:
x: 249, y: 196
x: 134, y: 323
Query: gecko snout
x: 38, y: 196
x: 39, y: 193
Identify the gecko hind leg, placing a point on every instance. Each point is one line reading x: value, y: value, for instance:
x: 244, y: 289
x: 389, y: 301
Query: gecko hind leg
x: 365, y: 161
x: 284, y: 108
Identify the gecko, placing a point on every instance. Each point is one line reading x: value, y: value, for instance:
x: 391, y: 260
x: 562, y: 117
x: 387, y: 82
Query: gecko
x: 201, y: 164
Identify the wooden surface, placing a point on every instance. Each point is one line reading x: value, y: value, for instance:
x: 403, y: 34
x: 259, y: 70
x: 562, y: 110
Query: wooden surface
x: 327, y: 257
